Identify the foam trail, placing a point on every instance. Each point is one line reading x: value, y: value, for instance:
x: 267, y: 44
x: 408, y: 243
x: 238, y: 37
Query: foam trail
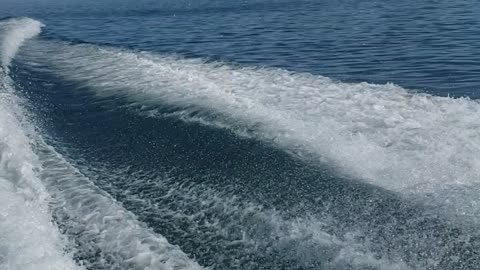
x: 227, y: 221
x: 381, y: 133
x: 30, y: 177
x: 384, y: 134
x: 28, y: 238
x: 108, y: 235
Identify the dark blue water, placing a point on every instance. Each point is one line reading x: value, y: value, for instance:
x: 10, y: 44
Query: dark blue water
x: 247, y: 134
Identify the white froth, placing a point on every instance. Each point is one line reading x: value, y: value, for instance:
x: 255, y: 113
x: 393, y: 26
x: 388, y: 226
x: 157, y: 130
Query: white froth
x: 13, y: 34
x: 101, y: 223
x: 383, y: 134
x: 265, y: 232
x: 28, y: 238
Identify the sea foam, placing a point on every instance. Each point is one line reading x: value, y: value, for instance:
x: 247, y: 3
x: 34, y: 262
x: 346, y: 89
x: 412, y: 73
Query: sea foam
x: 383, y: 134
x: 28, y: 238
x: 35, y: 179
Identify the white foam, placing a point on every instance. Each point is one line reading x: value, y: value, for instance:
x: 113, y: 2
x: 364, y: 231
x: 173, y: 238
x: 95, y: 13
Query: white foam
x: 212, y: 217
x: 28, y: 179
x: 383, y: 134
x: 14, y: 33
x: 28, y: 238
x: 99, y: 222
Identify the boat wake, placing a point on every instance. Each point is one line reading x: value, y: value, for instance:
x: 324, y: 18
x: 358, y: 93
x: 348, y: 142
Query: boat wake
x: 37, y: 186
x: 333, y: 175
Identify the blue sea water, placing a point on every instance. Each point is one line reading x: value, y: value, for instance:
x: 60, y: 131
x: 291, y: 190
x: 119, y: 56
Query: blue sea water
x: 255, y: 134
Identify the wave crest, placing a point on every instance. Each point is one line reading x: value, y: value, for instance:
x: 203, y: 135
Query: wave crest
x: 14, y: 32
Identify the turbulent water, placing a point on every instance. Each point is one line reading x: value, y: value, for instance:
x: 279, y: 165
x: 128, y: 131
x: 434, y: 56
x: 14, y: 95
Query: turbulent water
x: 122, y: 155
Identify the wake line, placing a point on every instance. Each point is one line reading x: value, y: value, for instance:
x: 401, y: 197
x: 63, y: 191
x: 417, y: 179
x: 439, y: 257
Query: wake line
x: 98, y: 222
x: 383, y: 134
x: 226, y: 222
x: 28, y: 239
x: 29, y: 178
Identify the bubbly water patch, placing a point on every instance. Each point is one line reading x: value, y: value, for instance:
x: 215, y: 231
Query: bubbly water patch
x: 402, y: 141
x: 226, y: 232
x: 28, y: 238
x: 384, y: 134
x: 107, y: 235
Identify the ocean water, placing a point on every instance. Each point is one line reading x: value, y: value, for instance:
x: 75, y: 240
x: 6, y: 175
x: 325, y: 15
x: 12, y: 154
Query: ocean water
x: 256, y: 134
